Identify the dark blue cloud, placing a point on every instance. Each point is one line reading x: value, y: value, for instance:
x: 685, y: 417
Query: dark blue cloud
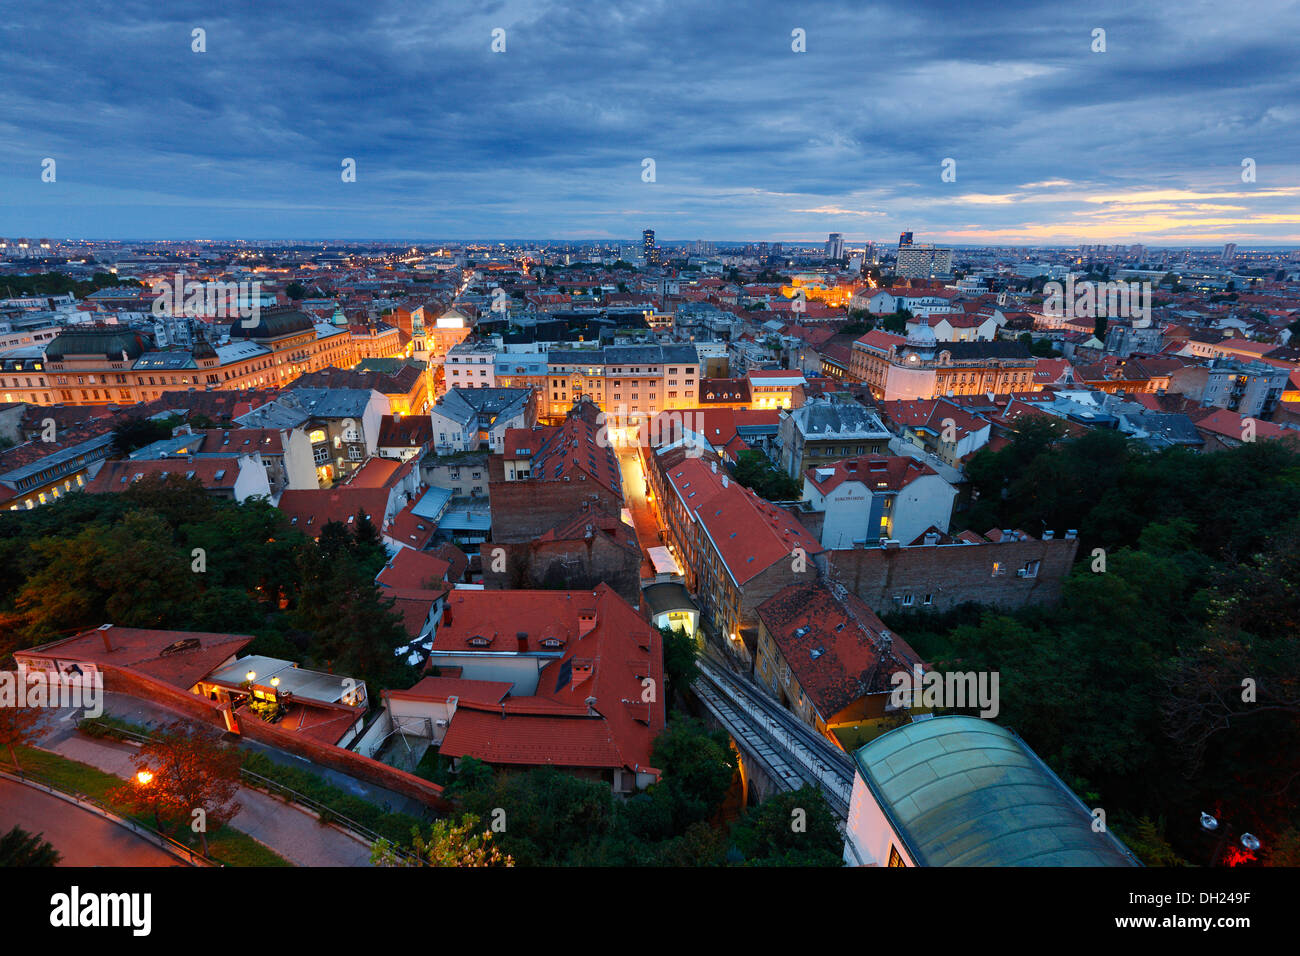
x: 749, y: 138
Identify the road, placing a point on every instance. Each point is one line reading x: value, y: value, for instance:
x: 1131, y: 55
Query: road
x: 644, y: 519
x: 84, y: 838
x: 292, y: 833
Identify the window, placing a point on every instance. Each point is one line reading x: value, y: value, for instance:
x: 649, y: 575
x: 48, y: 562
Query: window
x: 997, y: 568
x: 929, y: 600
x: 895, y: 858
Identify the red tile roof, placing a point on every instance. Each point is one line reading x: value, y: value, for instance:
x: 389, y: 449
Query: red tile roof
x: 414, y: 569
x: 212, y: 473
x: 485, y: 693
x: 891, y: 472
x: 750, y: 534
x: 243, y: 440
x: 836, y: 648
x: 311, y: 509
x: 411, y: 530
x: 607, y: 649
x: 573, y: 452
x: 883, y: 341
x: 1230, y: 424
x: 142, y: 650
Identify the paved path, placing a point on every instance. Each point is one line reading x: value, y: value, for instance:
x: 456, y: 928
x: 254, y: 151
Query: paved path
x: 146, y: 714
x: 84, y: 838
x: 294, y: 834
x: 644, y: 518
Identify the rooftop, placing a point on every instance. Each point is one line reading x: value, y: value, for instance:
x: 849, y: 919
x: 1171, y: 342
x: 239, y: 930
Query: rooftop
x: 961, y: 791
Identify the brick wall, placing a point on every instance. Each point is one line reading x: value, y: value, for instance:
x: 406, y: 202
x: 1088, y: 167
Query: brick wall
x: 954, y: 574
x: 522, y: 510
x: 577, y: 565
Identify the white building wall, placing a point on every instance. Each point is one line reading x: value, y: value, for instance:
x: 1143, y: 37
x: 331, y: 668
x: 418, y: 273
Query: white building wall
x: 867, y: 833
x: 923, y: 502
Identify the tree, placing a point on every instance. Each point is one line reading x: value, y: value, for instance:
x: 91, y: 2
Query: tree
x: 368, y: 546
x: 20, y: 848
x: 295, y: 291
x: 182, y: 770
x: 790, y: 829
x: 17, y: 724
x: 698, y: 765
x: 756, y: 472
x: 450, y: 843
x: 680, y: 665
x: 550, y: 818
x: 137, y: 432
x: 897, y: 323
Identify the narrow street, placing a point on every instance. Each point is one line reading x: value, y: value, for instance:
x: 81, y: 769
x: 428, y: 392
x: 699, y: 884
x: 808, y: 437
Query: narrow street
x: 645, y: 519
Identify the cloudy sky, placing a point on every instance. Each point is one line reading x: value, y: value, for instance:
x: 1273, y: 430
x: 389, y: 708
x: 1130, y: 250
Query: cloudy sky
x: 1053, y: 143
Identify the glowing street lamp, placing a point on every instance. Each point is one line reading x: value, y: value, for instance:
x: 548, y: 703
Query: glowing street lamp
x: 143, y: 777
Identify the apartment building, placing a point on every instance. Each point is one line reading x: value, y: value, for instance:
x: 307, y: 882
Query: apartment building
x: 637, y: 381
x: 471, y: 365
x: 920, y: 367
x: 822, y: 432
x: 112, y: 365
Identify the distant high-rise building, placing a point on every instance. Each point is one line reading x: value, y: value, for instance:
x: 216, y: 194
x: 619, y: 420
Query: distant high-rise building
x: 776, y: 248
x: 1229, y: 252
x: 835, y: 246
x: 648, y: 247
x: 921, y: 262
x: 904, y: 240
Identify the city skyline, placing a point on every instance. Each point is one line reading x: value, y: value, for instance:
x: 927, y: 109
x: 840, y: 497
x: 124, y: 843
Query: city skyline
x: 1054, y: 144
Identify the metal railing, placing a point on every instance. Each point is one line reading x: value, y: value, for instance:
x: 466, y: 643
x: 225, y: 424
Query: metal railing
x: 285, y: 793
x: 166, y: 843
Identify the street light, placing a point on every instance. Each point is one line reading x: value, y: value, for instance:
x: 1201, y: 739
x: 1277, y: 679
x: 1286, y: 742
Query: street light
x: 143, y: 777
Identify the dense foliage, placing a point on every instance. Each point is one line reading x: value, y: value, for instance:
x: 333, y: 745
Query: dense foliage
x: 548, y: 818
x: 1185, y: 599
x: 755, y: 471
x: 56, y: 283
x: 164, y: 554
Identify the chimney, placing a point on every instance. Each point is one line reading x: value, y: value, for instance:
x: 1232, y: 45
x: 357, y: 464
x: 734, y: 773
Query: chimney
x: 1048, y: 535
x: 932, y: 538
x: 446, y: 614
x: 724, y: 481
x: 586, y: 623
x: 103, y: 630
x: 1071, y: 534
x: 591, y: 707
x: 715, y: 466
x: 521, y: 641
